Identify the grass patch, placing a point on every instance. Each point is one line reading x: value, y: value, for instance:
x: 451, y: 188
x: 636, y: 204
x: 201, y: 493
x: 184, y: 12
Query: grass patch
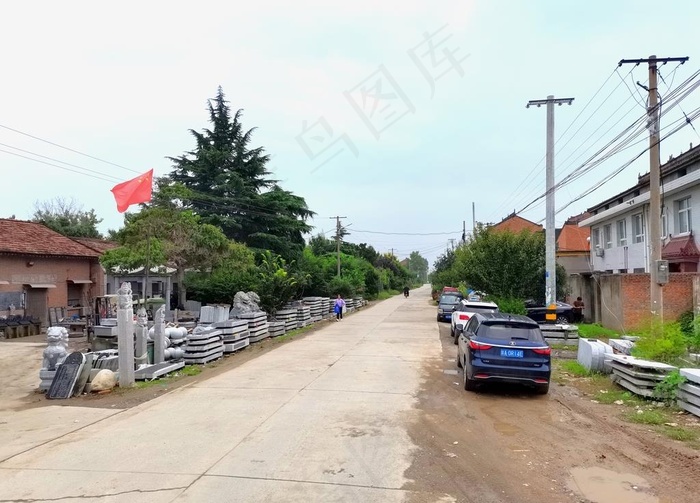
x: 575, y: 368
x: 595, y: 331
x: 612, y: 396
x: 386, y: 294
x: 563, y: 347
x: 680, y: 433
x: 190, y: 370
x: 642, y: 416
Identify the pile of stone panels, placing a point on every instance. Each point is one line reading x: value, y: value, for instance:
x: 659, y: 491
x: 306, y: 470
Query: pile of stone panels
x: 349, y: 305
x: 303, y: 316
x: 326, y: 307
x: 289, y: 317
x: 235, y: 334
x: 560, y: 334
x: 689, y: 391
x: 622, y: 346
x: 277, y: 328
x: 257, y: 325
x: 638, y: 376
x: 315, y: 305
x: 204, y: 344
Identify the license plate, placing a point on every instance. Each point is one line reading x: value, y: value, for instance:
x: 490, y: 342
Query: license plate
x: 512, y: 353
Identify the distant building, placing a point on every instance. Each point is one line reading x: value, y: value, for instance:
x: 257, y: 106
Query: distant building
x: 40, y: 268
x: 516, y: 224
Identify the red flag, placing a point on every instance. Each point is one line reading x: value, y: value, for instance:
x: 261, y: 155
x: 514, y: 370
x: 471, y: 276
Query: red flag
x: 137, y: 190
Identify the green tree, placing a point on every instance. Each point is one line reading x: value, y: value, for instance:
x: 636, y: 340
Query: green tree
x: 418, y: 266
x: 166, y: 236
x: 505, y: 265
x: 227, y: 183
x: 67, y: 217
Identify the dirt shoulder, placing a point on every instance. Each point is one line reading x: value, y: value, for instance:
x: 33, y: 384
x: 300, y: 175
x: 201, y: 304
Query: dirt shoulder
x: 509, y: 445
x: 148, y: 390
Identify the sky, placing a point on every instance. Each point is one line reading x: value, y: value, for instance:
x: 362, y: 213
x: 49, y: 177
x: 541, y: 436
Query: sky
x: 398, y: 115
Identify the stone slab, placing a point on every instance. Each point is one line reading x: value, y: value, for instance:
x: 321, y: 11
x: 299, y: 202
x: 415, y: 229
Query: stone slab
x: 616, y: 378
x: 591, y: 354
x: 236, y: 346
x: 157, y: 370
x: 84, y: 376
x: 642, y: 383
x: 236, y: 337
x: 689, y: 398
x: 634, y: 372
x: 213, y: 350
x: 688, y: 407
x: 192, y: 349
x: 691, y: 388
x: 642, y: 364
x: 204, y: 359
x: 67, y: 374
x: 232, y: 323
x: 260, y: 337
x: 621, y: 345
x: 693, y: 375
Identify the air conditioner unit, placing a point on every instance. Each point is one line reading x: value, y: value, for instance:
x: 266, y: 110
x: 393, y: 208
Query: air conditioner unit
x: 599, y: 252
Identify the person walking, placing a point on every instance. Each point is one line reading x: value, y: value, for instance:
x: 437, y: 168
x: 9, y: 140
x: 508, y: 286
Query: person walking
x: 338, y: 308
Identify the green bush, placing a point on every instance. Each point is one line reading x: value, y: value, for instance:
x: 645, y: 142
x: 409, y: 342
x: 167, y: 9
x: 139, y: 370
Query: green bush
x: 510, y: 305
x: 667, y: 390
x: 660, y: 341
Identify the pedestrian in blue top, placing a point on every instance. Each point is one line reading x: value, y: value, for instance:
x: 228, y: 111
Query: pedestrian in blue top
x: 338, y: 308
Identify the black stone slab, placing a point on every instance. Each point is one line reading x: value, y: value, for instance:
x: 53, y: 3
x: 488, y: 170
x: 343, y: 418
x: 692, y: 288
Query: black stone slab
x: 63, y: 384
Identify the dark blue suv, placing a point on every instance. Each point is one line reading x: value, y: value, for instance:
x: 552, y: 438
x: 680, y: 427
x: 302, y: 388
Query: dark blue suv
x: 502, y: 347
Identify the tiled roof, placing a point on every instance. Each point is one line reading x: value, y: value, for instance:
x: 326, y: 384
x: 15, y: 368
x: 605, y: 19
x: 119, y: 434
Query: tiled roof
x: 516, y: 224
x: 30, y: 238
x: 679, y: 248
x: 574, y: 238
x: 99, y: 245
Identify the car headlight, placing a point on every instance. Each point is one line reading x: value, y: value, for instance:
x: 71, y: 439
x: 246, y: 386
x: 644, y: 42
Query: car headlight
x: 440, y: 310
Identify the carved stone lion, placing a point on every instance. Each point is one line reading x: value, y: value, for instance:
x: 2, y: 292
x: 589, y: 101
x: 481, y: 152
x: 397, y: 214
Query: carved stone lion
x: 57, y: 350
x: 245, y: 303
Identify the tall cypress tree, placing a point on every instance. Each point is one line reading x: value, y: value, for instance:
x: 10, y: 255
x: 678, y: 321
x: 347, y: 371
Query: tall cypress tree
x: 228, y: 185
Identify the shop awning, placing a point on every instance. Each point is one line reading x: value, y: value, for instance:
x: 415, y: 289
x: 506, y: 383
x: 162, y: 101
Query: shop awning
x: 80, y: 281
x: 41, y: 285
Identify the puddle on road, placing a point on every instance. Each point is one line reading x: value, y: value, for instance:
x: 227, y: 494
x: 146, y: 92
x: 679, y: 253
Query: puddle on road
x: 604, y: 486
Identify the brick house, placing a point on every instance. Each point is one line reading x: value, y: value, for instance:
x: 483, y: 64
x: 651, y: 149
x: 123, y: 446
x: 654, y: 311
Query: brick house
x: 40, y: 268
x: 516, y: 224
x: 620, y: 247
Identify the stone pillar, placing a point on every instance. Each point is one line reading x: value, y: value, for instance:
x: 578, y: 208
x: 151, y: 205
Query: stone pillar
x: 142, y: 337
x: 125, y: 335
x: 159, y: 335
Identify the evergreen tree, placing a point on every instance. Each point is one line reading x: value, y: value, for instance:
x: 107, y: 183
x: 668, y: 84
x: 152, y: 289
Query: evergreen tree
x: 227, y: 183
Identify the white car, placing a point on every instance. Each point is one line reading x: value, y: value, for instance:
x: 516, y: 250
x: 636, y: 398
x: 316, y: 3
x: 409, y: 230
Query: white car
x: 464, y: 311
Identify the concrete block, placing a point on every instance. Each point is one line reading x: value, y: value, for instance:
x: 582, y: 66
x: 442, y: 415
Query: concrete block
x: 592, y: 355
x: 621, y: 346
x: 688, y: 407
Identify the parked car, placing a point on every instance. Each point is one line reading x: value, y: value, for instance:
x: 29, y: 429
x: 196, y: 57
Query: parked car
x: 537, y: 312
x: 502, y: 347
x: 448, y: 302
x: 466, y: 310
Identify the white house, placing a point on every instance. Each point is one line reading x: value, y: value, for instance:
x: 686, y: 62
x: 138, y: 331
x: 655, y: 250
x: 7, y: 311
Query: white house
x: 619, y: 225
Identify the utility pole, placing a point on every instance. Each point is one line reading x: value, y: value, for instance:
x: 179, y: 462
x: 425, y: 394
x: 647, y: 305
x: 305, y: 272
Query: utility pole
x: 464, y: 231
x: 551, y: 260
x: 473, y: 217
x: 452, y: 242
x: 337, y: 238
x: 655, y: 289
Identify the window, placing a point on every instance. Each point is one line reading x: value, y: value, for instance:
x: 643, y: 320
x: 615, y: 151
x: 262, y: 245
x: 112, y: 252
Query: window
x: 683, y: 208
x: 607, y: 235
x: 664, y: 222
x: 638, y: 227
x: 595, y: 238
x: 510, y: 331
x: 621, y: 233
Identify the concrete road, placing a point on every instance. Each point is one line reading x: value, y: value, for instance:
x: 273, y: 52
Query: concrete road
x: 324, y: 418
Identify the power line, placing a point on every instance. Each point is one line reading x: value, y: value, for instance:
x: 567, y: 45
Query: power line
x: 56, y: 165
x: 66, y: 148
x: 408, y: 233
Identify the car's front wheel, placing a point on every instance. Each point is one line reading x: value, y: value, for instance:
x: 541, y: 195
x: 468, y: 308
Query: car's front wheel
x: 562, y: 320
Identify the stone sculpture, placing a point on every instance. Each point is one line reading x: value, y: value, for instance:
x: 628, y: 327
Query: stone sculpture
x: 141, y: 337
x: 245, y: 303
x: 57, y: 350
x: 125, y: 336
x: 125, y: 300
